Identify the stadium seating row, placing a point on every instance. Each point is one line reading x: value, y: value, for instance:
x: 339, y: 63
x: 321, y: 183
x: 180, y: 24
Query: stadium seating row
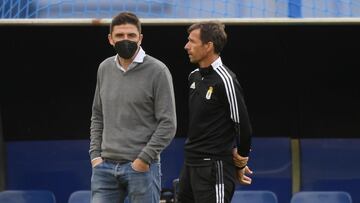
x: 63, y: 166
x: 300, y: 197
x: 84, y: 196
x: 41, y: 196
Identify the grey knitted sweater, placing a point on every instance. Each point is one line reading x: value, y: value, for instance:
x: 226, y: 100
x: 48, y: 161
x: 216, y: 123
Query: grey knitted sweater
x: 133, y: 113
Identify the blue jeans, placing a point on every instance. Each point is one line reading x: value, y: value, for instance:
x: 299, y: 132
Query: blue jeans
x: 112, y: 183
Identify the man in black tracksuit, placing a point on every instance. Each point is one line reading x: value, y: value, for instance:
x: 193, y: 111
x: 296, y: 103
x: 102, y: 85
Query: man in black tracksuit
x: 219, y: 137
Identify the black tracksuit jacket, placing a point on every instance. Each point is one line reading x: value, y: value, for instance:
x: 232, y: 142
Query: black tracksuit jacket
x: 218, y: 117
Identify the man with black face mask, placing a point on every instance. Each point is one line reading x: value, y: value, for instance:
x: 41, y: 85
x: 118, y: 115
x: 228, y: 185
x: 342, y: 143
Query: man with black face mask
x: 133, y: 119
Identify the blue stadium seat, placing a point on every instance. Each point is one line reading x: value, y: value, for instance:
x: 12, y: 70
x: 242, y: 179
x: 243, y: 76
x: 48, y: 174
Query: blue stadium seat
x: 271, y: 172
x: 172, y: 159
x: 260, y: 196
x: 321, y: 161
x: 81, y: 196
x: 321, y: 197
x: 27, y: 196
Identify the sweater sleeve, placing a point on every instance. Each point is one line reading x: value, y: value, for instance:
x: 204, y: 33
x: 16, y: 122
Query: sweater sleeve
x: 165, y: 114
x: 242, y: 122
x: 96, y: 127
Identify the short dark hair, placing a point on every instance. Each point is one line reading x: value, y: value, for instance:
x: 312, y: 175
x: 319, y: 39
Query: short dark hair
x: 211, y: 31
x: 125, y: 18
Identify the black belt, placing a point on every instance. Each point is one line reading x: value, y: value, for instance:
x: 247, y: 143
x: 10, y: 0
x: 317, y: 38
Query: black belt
x: 114, y: 161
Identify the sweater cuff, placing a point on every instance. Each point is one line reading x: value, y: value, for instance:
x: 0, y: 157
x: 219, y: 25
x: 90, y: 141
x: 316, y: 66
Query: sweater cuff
x: 94, y: 154
x: 145, y: 157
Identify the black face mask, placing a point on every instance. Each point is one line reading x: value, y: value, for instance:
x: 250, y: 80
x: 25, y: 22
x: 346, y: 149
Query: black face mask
x: 126, y: 48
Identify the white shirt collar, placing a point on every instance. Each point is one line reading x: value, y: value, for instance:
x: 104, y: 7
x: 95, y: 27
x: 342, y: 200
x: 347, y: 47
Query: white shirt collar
x: 139, y: 58
x: 217, y: 63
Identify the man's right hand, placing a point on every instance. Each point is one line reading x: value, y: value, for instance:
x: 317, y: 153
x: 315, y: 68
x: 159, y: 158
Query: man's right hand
x: 96, y: 161
x: 241, y: 175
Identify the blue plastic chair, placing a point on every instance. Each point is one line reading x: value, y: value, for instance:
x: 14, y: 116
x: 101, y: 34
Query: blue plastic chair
x: 27, y: 196
x: 258, y: 196
x: 321, y: 197
x: 83, y: 196
x: 80, y: 196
